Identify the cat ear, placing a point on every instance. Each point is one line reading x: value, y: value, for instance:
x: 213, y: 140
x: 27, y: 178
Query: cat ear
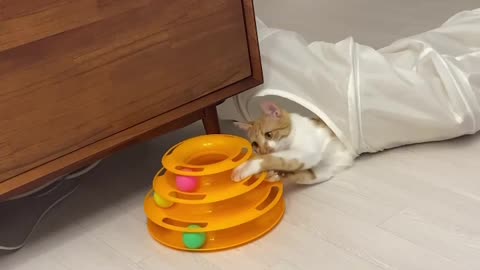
x: 271, y: 109
x: 244, y: 126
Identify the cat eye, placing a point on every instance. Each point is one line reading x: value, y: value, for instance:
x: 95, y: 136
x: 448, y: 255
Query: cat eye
x: 268, y: 135
x: 254, y: 145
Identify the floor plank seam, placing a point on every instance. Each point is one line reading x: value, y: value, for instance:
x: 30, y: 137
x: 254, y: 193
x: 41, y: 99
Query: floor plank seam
x: 421, y: 247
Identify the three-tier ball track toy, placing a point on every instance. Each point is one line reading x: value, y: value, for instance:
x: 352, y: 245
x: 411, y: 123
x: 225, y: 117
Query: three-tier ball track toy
x: 194, y: 204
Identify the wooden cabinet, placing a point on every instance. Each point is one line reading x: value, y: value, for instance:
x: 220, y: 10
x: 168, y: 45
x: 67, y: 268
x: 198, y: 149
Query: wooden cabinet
x: 79, y: 79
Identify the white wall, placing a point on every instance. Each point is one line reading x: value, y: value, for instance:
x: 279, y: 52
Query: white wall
x: 371, y: 22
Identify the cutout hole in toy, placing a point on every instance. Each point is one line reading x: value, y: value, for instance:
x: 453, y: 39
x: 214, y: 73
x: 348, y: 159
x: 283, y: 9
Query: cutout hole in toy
x: 208, y: 159
x: 171, y: 150
x: 240, y: 155
x: 250, y: 181
x: 182, y: 224
x: 188, y: 169
x: 162, y: 172
x: 184, y: 196
x: 271, y: 196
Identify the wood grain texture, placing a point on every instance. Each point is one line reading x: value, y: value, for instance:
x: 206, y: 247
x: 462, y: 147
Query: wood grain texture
x: 174, y: 58
x: 89, y: 83
x: 25, y: 21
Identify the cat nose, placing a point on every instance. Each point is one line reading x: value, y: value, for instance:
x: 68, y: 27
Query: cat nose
x: 254, y: 145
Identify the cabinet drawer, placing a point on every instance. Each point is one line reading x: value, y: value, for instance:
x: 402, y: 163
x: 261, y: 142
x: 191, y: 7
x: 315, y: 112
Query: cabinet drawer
x: 64, y: 88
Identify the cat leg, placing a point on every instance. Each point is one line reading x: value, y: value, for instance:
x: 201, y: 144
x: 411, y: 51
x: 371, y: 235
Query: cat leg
x: 298, y: 176
x: 325, y: 170
x: 320, y: 175
x: 273, y: 176
x: 286, y: 161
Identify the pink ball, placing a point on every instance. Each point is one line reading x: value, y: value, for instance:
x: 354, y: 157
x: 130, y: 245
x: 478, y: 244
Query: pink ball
x: 186, y: 183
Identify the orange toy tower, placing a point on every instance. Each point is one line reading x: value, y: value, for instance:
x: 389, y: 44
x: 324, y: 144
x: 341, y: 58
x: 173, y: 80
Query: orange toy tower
x: 212, y: 210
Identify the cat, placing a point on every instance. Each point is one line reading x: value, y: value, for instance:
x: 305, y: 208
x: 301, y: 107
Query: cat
x: 293, y: 148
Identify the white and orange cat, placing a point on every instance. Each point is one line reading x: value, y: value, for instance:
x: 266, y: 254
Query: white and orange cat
x: 292, y: 148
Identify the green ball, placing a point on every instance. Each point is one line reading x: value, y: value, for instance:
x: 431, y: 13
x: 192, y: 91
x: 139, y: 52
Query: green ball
x: 161, y: 202
x: 194, y: 240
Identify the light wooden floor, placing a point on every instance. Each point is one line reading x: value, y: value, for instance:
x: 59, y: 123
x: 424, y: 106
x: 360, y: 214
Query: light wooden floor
x: 415, y: 207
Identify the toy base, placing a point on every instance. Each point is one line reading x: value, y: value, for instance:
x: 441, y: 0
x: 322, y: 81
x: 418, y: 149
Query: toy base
x: 217, y: 216
x: 223, y: 239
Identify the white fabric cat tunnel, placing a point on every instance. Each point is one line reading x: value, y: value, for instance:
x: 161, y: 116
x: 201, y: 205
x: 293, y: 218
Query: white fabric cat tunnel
x: 419, y: 89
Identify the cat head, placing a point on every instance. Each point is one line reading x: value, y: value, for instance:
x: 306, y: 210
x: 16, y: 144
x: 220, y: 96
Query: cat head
x: 269, y: 133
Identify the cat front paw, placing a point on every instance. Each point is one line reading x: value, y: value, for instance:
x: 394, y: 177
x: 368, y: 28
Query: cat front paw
x: 273, y: 176
x: 247, y: 169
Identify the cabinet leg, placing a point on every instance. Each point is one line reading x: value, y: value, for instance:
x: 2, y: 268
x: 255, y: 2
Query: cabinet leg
x: 210, y: 120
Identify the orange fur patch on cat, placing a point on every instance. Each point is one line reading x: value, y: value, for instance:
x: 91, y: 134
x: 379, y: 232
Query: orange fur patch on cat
x: 298, y: 176
x: 268, y: 128
x: 318, y: 122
